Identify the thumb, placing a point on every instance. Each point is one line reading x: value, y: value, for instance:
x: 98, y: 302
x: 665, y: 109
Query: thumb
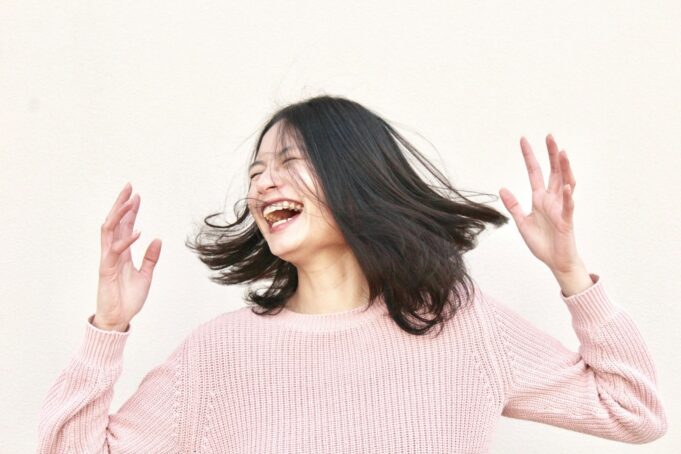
x: 512, y: 205
x: 151, y: 257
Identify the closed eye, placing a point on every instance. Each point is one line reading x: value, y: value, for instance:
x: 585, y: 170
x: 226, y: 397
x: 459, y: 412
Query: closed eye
x: 285, y: 161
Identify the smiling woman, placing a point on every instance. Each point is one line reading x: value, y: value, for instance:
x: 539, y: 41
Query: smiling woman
x: 334, y: 355
x: 365, y: 213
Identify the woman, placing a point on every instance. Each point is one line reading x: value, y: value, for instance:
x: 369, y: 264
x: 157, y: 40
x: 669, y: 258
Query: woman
x: 363, y: 260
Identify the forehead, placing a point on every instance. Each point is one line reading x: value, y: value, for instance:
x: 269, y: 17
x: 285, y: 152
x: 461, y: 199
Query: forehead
x: 283, y: 150
x: 276, y: 136
x: 283, y: 147
x: 276, y: 140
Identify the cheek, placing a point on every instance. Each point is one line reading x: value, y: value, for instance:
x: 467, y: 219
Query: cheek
x: 252, y: 200
x: 251, y: 210
x: 306, y: 185
x: 325, y: 221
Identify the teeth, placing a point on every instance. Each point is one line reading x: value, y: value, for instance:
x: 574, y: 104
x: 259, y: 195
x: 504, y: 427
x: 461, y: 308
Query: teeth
x: 282, y: 221
x: 281, y: 205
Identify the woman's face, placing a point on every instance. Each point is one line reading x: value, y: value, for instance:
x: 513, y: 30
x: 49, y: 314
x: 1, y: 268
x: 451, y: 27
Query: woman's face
x: 280, y: 176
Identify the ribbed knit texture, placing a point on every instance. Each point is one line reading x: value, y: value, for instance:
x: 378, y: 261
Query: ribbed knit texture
x: 353, y: 382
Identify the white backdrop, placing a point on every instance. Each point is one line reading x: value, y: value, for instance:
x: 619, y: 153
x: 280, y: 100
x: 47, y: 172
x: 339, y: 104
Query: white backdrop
x: 169, y: 95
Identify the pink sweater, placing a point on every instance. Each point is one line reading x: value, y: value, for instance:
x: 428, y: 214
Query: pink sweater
x: 353, y: 382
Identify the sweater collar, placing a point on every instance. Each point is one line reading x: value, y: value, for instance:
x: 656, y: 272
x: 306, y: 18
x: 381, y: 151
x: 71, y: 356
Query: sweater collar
x: 331, y: 321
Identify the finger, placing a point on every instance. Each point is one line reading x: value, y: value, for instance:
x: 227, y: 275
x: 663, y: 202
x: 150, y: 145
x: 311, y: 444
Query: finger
x: 109, y: 226
x: 568, y: 176
x: 512, y: 205
x: 122, y: 197
x: 119, y: 246
x: 568, y: 204
x: 111, y: 255
x: 125, y: 226
x: 151, y: 257
x: 128, y: 221
x: 533, y: 168
x: 556, y: 176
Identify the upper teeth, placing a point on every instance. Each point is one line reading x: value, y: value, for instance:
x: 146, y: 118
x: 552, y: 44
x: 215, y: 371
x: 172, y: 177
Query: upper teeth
x: 281, y: 205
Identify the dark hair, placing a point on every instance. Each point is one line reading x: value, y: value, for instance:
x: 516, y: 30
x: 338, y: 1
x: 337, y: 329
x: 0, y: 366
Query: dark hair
x: 408, y: 239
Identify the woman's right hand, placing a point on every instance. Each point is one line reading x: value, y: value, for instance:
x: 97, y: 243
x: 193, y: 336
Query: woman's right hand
x: 122, y: 288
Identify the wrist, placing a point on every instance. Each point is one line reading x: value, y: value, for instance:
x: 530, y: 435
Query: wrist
x: 574, y: 281
x: 97, y: 323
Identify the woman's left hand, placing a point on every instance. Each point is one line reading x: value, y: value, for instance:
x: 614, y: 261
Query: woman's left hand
x: 548, y: 230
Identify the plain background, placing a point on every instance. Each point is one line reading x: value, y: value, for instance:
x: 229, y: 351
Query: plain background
x: 169, y: 95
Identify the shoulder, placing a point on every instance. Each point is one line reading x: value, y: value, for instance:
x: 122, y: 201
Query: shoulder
x: 221, y: 324
x: 476, y: 313
x: 233, y: 316
x: 472, y: 300
x: 484, y: 303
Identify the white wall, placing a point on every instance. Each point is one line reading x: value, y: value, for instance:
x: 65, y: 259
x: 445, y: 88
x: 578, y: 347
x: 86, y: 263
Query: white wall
x: 169, y: 95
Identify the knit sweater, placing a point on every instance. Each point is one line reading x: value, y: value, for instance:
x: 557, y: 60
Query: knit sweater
x: 354, y: 382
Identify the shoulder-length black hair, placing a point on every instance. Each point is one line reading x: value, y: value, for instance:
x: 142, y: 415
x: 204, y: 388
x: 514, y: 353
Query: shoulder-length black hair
x: 408, y: 238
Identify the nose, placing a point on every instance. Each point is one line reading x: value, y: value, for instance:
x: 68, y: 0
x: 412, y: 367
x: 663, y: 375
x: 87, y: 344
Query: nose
x: 266, y: 179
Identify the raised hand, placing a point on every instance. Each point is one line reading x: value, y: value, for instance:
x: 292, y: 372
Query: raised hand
x: 548, y: 230
x: 122, y: 289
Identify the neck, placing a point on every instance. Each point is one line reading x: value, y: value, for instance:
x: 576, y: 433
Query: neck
x: 328, y: 289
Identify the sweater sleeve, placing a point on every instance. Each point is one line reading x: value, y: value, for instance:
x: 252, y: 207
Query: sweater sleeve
x: 606, y: 389
x: 74, y: 416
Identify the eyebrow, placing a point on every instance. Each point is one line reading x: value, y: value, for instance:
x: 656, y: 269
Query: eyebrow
x: 280, y: 152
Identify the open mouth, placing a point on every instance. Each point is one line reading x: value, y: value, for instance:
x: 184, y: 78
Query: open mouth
x: 281, y: 212
x: 278, y: 223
